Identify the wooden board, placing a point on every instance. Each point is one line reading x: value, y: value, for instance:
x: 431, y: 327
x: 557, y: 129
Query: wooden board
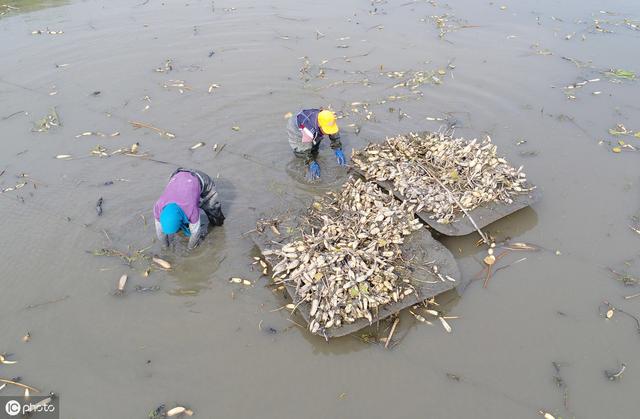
x: 420, y: 247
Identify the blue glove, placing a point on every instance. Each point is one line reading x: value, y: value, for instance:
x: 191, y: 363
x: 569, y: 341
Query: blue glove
x: 314, y: 170
x: 340, y: 157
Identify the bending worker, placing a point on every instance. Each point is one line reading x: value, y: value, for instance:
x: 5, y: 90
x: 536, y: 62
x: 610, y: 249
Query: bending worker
x: 188, y: 204
x: 306, y: 129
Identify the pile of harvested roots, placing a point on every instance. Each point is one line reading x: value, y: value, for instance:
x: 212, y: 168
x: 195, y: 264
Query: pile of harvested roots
x: 441, y: 175
x: 347, y: 262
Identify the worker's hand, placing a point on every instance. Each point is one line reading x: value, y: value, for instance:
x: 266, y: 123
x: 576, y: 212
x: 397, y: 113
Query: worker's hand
x: 314, y: 170
x: 340, y: 157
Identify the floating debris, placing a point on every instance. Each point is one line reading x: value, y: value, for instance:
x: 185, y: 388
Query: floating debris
x: 416, y: 79
x: 46, y: 32
x: 179, y: 84
x: 26, y: 338
x: 99, y: 206
x: 235, y: 128
x: 14, y: 188
x: 5, y: 361
x: 614, y: 375
x: 625, y: 278
x: 445, y: 324
x: 50, y: 120
x: 610, y: 309
x: 442, y: 175
x: 213, y: 86
x: 162, y: 263
x: 420, y: 318
x: 141, y: 289
x: 618, y: 73
x: 620, y: 130
x: 237, y: 280
x: 137, y: 124
x: 166, y: 67
x: 89, y: 133
x: 447, y: 23
x: 99, y: 151
x: 178, y: 411
x: 540, y: 51
x: 121, y: 284
x: 546, y: 415
x: 197, y: 145
x: 63, y: 156
x: 128, y: 258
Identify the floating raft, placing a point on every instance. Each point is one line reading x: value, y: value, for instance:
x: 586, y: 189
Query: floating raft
x: 419, y: 248
x: 483, y: 216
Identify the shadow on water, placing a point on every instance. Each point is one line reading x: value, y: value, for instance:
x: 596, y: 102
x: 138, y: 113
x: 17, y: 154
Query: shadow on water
x: 13, y: 7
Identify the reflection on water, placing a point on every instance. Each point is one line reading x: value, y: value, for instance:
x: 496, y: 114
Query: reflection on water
x: 12, y: 7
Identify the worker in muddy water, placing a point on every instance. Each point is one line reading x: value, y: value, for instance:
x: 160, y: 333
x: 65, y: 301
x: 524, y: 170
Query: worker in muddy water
x: 306, y: 129
x: 188, y: 205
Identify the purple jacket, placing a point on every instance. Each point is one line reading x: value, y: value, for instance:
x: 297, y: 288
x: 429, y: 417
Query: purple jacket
x: 183, y: 189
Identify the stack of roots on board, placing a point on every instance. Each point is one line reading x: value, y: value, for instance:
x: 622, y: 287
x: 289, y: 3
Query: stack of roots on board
x: 347, y: 262
x: 439, y: 174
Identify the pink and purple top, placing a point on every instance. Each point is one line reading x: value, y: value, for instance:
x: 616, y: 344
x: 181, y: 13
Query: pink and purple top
x: 183, y: 189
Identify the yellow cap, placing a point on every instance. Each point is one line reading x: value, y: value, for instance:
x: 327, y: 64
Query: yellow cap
x: 327, y: 122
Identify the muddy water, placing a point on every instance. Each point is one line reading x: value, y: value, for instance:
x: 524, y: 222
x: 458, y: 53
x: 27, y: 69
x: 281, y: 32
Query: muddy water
x: 202, y: 342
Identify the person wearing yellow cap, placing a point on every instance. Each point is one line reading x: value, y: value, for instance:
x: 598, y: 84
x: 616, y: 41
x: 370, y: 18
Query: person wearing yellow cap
x: 306, y: 129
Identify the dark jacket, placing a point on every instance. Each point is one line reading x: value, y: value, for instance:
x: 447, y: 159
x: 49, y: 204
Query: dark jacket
x: 308, y: 118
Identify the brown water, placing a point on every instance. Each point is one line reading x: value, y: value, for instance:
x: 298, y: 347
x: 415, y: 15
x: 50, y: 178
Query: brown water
x: 202, y: 342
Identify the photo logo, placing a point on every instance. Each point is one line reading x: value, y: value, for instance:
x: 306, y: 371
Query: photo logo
x: 38, y: 406
x: 12, y: 408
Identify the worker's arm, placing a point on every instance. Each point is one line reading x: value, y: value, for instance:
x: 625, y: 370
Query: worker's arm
x: 336, y: 144
x: 163, y: 238
x: 194, y: 238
